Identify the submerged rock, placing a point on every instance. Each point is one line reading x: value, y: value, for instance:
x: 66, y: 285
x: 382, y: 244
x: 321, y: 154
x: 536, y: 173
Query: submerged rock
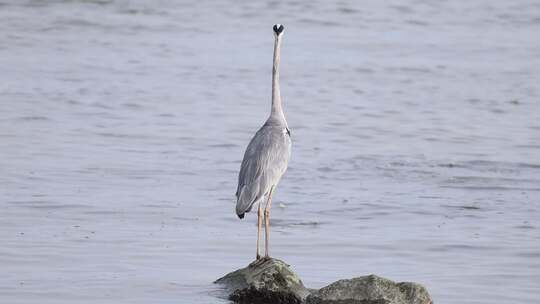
x: 271, y: 281
x: 370, y: 289
x: 265, y: 281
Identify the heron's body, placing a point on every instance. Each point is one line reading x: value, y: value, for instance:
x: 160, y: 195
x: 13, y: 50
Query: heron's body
x: 265, y: 160
x: 266, y: 157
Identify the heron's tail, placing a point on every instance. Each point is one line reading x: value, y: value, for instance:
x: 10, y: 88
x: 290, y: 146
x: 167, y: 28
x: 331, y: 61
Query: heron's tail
x: 246, y: 199
x: 242, y: 208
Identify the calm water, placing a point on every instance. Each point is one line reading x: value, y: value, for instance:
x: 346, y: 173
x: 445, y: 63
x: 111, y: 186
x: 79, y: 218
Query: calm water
x: 416, y: 146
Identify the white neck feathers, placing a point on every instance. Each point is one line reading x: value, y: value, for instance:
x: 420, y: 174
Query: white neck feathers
x: 277, y: 110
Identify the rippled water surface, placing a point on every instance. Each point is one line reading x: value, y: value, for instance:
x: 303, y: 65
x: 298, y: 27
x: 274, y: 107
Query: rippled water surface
x: 416, y: 146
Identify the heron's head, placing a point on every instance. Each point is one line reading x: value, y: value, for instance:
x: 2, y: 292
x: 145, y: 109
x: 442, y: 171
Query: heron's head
x: 278, y: 29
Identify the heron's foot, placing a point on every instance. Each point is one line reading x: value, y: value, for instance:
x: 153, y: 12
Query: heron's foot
x: 266, y: 257
x: 258, y: 257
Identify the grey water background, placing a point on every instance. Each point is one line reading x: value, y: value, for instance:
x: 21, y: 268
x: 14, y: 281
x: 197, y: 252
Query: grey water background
x: 416, y: 146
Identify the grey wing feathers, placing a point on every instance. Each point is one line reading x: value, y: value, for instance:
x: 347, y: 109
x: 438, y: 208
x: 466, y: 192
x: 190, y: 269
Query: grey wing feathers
x: 265, y: 160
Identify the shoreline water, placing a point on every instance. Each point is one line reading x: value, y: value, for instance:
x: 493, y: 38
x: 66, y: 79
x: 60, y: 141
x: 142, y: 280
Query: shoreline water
x: 416, y: 148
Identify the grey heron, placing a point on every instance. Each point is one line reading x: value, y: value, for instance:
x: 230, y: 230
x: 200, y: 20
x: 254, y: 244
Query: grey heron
x: 266, y: 157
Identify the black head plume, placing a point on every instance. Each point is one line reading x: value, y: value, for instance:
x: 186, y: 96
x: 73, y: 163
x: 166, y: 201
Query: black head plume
x: 278, y: 29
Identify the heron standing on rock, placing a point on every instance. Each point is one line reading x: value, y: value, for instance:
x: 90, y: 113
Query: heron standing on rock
x: 266, y: 157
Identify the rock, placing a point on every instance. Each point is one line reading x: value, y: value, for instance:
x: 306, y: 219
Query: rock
x: 370, y: 289
x: 265, y: 281
x: 271, y: 281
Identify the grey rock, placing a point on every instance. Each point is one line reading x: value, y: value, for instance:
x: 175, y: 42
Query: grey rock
x: 370, y: 289
x: 271, y: 281
x: 265, y: 281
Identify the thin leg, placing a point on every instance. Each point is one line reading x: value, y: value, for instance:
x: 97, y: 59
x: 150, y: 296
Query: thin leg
x: 259, y: 227
x: 267, y: 222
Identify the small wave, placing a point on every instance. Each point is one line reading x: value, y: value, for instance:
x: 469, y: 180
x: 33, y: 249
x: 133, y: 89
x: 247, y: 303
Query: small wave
x: 50, y: 205
x: 325, y: 23
x: 525, y: 227
x: 224, y: 145
x: 462, y: 247
x: 492, y: 188
x: 462, y: 207
x: 33, y: 118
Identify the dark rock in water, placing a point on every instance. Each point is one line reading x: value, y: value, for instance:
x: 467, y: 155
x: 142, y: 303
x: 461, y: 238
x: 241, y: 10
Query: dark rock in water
x: 370, y: 289
x: 265, y: 281
x: 271, y: 281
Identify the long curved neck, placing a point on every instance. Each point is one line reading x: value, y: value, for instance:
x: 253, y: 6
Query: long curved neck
x: 277, y: 110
